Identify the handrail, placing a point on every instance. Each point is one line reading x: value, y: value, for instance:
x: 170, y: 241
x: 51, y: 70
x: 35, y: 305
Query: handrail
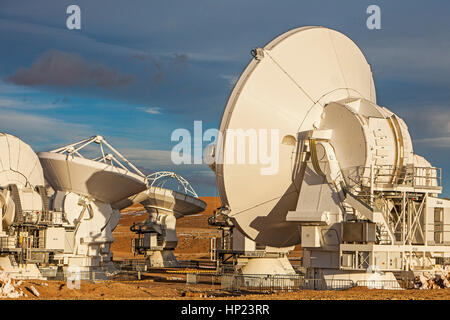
x: 427, y: 177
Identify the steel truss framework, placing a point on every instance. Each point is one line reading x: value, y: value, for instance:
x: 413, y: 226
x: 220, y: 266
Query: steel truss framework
x: 417, y: 239
x: 111, y: 156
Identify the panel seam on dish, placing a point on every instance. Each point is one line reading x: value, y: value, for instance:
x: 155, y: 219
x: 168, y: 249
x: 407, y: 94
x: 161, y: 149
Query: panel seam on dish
x: 292, y: 79
x: 338, y: 62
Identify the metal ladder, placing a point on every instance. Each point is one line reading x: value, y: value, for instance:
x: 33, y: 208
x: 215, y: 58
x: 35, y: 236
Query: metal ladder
x: 17, y: 203
x: 45, y: 216
x: 383, y: 234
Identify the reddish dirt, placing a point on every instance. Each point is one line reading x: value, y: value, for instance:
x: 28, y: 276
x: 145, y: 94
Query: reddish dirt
x: 194, y: 233
x: 167, y: 287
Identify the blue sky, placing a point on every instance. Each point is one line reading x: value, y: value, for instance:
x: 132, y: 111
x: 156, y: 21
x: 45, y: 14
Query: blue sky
x: 137, y: 70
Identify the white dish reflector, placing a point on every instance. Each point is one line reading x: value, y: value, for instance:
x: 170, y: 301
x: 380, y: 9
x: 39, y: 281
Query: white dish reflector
x: 284, y: 88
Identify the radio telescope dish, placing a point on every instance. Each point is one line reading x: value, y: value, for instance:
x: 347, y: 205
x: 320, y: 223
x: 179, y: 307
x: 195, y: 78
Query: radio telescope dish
x: 18, y: 163
x: 164, y: 206
x: 181, y: 202
x: 108, y: 178
x: 284, y: 88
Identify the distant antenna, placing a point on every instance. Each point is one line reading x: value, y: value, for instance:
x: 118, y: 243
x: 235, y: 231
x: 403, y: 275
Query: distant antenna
x: 108, y: 176
x: 110, y: 158
x: 159, y: 179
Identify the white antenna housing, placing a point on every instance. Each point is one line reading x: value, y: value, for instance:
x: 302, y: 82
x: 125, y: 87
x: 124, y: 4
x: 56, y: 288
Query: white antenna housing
x: 349, y: 187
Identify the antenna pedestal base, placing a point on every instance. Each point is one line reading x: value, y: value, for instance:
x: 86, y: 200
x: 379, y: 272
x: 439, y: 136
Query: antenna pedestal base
x: 162, y: 259
x: 272, y: 266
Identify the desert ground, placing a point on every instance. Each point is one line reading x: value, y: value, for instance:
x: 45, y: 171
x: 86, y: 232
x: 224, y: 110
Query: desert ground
x: 193, y: 234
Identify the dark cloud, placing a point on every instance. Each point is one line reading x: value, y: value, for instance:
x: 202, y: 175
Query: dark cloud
x: 163, y: 65
x: 59, y: 68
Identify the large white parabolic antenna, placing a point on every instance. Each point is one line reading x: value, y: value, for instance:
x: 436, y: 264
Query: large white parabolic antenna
x: 157, y: 236
x: 104, y: 178
x: 158, y: 197
x: 18, y: 163
x: 285, y: 88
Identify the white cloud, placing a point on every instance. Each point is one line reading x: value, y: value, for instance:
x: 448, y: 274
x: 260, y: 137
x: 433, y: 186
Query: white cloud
x: 42, y: 131
x: 437, y: 142
x: 427, y: 121
x: 415, y: 58
x: 6, y: 88
x: 230, y: 78
x: 214, y: 57
x: 428, y: 124
x: 147, y: 158
x: 25, y: 104
x: 151, y: 110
